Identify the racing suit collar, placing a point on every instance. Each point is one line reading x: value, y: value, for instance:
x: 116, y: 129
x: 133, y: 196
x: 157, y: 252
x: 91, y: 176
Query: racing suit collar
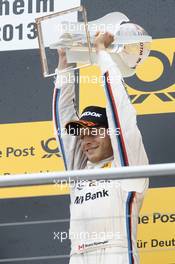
x: 99, y: 164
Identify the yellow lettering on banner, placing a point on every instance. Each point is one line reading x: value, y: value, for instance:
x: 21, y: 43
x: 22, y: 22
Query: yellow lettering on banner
x: 29, y: 148
x: 152, y: 88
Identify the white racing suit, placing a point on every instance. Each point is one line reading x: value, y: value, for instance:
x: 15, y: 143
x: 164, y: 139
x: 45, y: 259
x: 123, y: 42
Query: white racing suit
x: 104, y: 215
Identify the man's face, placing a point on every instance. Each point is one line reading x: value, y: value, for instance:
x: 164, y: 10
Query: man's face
x: 96, y: 144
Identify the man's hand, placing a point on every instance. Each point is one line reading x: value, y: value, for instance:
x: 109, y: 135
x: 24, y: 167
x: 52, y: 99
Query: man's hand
x: 62, y: 59
x: 103, y: 40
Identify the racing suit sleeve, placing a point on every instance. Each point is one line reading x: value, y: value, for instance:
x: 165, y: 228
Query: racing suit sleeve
x: 128, y: 148
x: 126, y: 139
x: 64, y: 111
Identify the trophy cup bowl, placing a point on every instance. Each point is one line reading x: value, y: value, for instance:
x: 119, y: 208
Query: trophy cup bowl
x: 131, y: 45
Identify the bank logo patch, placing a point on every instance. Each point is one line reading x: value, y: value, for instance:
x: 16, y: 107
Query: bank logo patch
x: 91, y: 196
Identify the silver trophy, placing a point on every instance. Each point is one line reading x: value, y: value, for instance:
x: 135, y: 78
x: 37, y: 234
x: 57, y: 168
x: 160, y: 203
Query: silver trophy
x: 131, y: 45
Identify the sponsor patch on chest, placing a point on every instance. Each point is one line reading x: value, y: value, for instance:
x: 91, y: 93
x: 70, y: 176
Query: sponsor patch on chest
x: 91, y: 196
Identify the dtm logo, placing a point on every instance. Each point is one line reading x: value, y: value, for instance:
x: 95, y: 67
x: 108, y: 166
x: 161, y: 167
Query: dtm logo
x: 91, y: 196
x: 88, y: 113
x: 46, y: 146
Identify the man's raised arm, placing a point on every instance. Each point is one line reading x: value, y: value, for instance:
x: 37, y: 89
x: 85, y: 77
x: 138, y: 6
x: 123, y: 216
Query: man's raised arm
x: 128, y: 147
x: 63, y: 111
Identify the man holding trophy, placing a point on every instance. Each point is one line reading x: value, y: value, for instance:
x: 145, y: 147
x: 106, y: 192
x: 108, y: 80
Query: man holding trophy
x: 104, y: 214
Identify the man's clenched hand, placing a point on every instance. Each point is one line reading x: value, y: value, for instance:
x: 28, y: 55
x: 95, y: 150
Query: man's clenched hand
x: 103, y: 40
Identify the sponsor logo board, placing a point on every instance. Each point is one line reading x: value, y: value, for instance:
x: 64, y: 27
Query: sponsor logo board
x: 156, y: 238
x: 152, y: 89
x: 29, y: 148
